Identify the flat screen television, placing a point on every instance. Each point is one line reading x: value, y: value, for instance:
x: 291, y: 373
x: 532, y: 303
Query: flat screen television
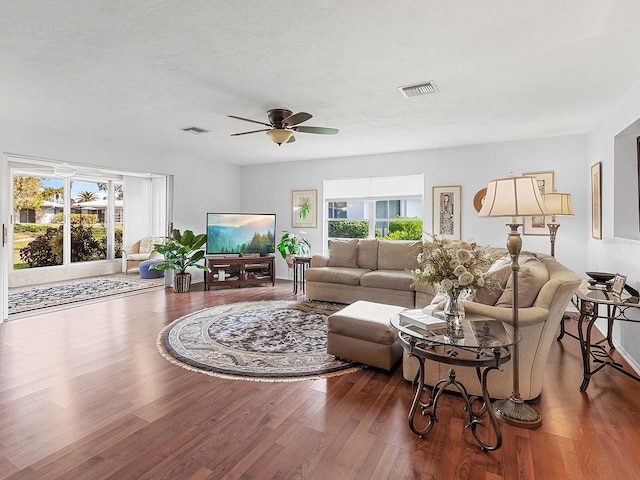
x: 241, y: 233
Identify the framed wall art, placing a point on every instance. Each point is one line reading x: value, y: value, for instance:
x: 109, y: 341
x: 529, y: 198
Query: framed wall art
x: 596, y: 200
x: 538, y: 225
x: 305, y: 208
x: 618, y: 284
x: 447, y: 202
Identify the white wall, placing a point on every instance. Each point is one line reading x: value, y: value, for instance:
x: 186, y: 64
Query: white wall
x: 200, y: 186
x: 614, y: 254
x: 471, y: 167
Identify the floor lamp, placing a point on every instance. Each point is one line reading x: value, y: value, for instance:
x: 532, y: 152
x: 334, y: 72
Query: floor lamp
x: 514, y: 197
x: 557, y: 204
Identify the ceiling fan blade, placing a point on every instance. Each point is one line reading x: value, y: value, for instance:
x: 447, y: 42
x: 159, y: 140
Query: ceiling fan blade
x: 252, y: 131
x: 291, y: 139
x: 296, y: 118
x: 320, y: 130
x: 249, y: 120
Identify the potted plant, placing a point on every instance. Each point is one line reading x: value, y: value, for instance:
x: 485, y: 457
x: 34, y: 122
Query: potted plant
x: 181, y: 252
x: 292, y: 244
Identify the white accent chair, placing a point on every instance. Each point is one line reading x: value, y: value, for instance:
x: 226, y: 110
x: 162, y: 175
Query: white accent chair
x: 140, y: 251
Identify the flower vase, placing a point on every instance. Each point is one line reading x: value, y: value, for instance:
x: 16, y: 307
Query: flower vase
x: 454, y: 311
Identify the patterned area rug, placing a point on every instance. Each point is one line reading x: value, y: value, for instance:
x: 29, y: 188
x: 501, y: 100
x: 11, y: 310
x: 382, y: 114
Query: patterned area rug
x: 273, y: 341
x: 34, y: 298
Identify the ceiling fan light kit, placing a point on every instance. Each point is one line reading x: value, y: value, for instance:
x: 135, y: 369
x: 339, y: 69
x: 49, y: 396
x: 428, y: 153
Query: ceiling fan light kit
x: 283, y: 123
x: 280, y: 136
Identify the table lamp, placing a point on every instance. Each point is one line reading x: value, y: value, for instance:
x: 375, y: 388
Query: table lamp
x: 514, y: 197
x: 557, y: 204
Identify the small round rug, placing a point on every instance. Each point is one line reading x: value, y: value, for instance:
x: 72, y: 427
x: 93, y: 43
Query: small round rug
x: 273, y: 341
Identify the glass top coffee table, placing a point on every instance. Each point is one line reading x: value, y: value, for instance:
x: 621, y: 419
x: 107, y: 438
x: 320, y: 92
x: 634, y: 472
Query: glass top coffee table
x: 480, y: 343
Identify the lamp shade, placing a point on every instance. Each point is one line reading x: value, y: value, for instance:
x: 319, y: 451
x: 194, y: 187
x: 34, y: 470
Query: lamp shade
x: 279, y: 136
x: 558, y: 203
x: 513, y: 197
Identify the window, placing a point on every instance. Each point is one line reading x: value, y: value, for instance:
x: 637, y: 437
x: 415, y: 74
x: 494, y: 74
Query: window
x: 375, y: 207
x: 44, y: 236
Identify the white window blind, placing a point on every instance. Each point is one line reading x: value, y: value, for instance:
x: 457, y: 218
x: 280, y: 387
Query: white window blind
x: 374, y: 188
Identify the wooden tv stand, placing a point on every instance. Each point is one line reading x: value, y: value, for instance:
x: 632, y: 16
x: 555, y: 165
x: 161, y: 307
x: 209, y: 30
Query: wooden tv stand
x: 239, y: 271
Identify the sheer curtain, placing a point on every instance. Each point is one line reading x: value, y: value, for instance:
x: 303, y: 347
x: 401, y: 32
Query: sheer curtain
x: 145, y: 208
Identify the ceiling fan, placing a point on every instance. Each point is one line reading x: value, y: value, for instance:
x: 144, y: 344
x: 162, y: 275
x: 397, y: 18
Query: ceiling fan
x: 283, y: 123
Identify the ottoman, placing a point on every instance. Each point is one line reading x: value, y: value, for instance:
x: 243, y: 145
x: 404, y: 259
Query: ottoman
x: 147, y: 272
x: 361, y: 332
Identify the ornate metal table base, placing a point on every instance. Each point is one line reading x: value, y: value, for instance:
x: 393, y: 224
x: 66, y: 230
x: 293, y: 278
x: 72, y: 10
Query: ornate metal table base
x: 428, y: 407
x: 619, y: 307
x: 596, y: 351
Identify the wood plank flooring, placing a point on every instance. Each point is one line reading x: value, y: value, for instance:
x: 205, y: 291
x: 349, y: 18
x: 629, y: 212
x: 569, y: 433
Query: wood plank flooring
x: 84, y: 394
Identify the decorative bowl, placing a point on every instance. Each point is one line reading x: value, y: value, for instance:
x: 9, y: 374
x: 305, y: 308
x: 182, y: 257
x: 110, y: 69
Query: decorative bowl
x: 601, y: 276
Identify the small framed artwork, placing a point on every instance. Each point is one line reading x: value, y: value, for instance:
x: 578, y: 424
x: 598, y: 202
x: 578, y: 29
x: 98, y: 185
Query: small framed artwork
x: 618, y: 284
x: 538, y: 225
x: 596, y: 201
x: 305, y: 208
x: 446, y: 212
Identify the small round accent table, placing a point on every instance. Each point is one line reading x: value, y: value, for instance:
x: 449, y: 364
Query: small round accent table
x: 481, y: 343
x: 300, y: 265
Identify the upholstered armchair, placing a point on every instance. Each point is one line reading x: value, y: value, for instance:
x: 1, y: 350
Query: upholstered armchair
x: 140, y: 251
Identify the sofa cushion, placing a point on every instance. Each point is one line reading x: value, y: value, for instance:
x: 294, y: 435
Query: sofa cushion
x: 398, y: 254
x: 343, y: 253
x: 147, y: 243
x: 342, y: 275
x: 501, y: 274
x: 389, y: 279
x: 368, y: 253
x: 135, y: 257
x: 531, y: 278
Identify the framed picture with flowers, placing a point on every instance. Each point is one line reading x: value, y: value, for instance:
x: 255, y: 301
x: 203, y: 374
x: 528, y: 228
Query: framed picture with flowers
x: 305, y: 208
x: 446, y: 212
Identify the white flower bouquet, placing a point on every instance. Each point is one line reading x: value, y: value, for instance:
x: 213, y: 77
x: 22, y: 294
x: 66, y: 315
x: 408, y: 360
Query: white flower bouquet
x: 454, y: 265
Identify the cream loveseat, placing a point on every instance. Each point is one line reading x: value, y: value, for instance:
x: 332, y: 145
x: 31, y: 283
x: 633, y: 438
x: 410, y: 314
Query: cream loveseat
x: 545, y: 288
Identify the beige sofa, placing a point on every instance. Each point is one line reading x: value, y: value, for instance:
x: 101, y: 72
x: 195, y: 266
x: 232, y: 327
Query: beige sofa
x: 545, y: 288
x: 367, y: 269
x: 379, y: 271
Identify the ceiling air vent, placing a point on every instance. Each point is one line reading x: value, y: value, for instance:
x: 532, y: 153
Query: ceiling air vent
x: 195, y: 130
x: 418, y: 89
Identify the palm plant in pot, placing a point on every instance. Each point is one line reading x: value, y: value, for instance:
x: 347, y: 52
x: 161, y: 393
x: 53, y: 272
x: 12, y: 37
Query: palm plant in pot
x: 182, y: 251
x: 292, y: 244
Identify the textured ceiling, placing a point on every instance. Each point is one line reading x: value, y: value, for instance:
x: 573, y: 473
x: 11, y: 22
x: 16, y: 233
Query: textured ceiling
x: 139, y: 71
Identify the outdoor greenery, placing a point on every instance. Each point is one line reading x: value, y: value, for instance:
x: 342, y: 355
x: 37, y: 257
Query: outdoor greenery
x: 88, y: 242
x: 348, y: 228
x: 400, y: 228
x: 76, y: 218
x: 405, y: 229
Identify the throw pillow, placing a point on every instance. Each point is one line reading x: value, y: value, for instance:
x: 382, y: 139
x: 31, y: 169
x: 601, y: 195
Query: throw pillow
x: 368, y: 253
x: 501, y: 274
x: 398, y: 254
x: 532, y: 276
x: 343, y: 253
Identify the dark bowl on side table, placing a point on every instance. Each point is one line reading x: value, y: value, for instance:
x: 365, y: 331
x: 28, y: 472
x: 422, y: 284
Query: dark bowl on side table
x: 601, y: 277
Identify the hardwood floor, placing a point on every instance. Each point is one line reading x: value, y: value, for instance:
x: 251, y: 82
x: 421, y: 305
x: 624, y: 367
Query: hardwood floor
x: 84, y: 394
